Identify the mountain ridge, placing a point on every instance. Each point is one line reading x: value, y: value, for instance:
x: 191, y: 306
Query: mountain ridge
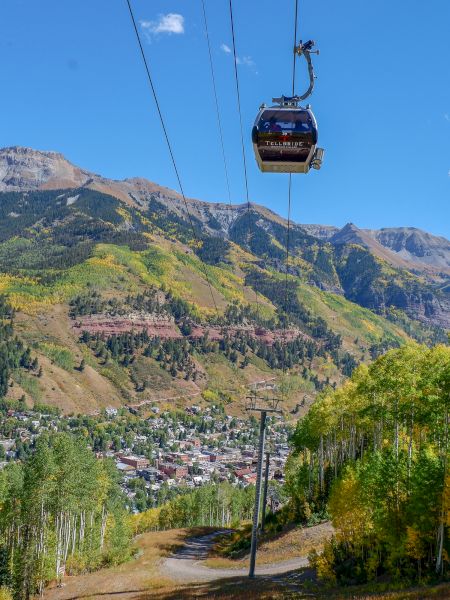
x: 426, y: 257
x: 26, y: 169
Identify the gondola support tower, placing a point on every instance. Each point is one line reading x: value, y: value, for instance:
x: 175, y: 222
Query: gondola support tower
x: 264, y: 406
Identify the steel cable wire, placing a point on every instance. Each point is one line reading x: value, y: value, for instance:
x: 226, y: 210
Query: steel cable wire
x: 286, y: 281
x: 216, y: 101
x: 169, y: 146
x: 244, y: 160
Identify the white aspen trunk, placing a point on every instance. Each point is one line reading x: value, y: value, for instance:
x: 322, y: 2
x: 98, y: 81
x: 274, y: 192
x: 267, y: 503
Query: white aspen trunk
x: 82, y: 527
x: 352, y: 444
x: 63, y: 540
x: 58, y: 545
x: 335, y: 456
x: 381, y: 432
x: 39, y: 544
x: 321, y: 469
x: 68, y: 533
x: 410, y: 444
x: 44, y: 554
x: 91, y: 530
x: 103, y: 527
x: 441, y: 529
x: 334, y: 453
x: 396, y: 430
x: 374, y: 430
x: 74, y: 534
x: 40, y: 551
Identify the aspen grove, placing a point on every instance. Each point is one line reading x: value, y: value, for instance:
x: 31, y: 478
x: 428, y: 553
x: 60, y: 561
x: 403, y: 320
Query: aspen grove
x: 375, y: 454
x: 60, y: 512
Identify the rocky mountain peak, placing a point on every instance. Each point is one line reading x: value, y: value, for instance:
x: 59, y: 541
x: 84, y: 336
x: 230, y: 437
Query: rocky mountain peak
x: 350, y: 234
x: 24, y: 169
x: 350, y: 227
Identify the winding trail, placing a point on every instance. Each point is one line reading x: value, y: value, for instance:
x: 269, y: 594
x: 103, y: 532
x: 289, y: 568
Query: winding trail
x: 186, y: 564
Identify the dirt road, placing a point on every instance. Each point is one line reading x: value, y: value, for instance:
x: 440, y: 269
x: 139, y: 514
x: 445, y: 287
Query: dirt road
x: 155, y: 573
x: 186, y: 564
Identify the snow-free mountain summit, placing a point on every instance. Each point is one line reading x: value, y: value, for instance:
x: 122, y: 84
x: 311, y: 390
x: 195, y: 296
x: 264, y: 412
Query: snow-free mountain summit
x: 25, y: 169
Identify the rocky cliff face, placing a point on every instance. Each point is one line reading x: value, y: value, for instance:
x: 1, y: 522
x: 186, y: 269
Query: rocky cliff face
x: 323, y: 232
x: 23, y: 169
x: 416, y: 246
x: 366, y: 282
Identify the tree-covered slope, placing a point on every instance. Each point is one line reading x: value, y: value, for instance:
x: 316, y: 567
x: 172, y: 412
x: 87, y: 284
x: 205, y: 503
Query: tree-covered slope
x: 124, y: 302
x: 374, y: 453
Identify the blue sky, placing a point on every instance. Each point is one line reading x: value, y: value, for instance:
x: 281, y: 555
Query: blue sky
x: 73, y: 81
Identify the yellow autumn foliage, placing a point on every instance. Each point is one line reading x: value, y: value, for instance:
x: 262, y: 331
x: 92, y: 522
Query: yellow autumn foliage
x: 414, y: 544
x: 351, y: 518
x: 145, y: 521
x: 324, y: 564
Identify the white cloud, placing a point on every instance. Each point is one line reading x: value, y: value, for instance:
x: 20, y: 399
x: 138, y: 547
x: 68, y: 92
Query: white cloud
x: 170, y: 23
x: 448, y: 173
x: 247, y: 61
x: 447, y: 117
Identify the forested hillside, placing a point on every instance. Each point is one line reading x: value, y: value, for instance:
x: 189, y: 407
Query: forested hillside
x: 145, y: 302
x: 124, y: 294
x: 375, y: 454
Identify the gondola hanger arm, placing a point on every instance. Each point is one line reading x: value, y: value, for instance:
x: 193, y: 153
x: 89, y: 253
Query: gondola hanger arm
x: 306, y: 49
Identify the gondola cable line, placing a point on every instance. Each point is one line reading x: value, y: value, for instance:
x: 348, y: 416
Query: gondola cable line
x: 233, y: 213
x: 169, y: 146
x: 286, y: 296
x: 244, y: 159
x: 238, y: 95
x: 216, y: 102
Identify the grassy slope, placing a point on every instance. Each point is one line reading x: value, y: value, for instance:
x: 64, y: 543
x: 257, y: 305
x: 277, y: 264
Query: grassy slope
x: 350, y: 320
x: 298, y: 541
x: 58, y: 352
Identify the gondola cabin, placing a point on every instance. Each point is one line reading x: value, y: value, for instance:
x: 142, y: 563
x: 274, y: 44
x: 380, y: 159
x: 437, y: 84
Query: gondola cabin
x: 285, y: 138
